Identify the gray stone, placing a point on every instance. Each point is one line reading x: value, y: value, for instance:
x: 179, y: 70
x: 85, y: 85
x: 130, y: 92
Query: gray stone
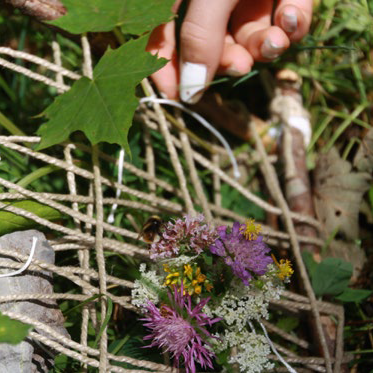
x: 28, y: 356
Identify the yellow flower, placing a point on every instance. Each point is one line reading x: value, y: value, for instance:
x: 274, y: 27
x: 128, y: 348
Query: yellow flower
x: 170, y: 279
x: 191, y: 277
x: 201, y: 277
x: 251, y: 230
x: 198, y: 289
x: 188, y: 271
x: 175, y: 274
x: 208, y: 287
x: 284, y: 268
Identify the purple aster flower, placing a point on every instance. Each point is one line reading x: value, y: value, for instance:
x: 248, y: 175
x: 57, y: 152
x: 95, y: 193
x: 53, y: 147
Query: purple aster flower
x: 245, y: 257
x: 180, y: 330
x: 188, y: 233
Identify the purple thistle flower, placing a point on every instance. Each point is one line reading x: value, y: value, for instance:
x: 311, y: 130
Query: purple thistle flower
x: 180, y: 330
x: 189, y: 233
x: 245, y: 257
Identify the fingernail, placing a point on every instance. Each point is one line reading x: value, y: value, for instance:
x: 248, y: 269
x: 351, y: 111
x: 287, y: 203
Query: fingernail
x: 270, y: 49
x: 289, y: 21
x: 233, y: 71
x: 192, y: 81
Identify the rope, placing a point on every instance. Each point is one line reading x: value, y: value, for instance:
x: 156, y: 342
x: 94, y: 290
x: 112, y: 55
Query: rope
x: 201, y: 120
x: 87, y: 212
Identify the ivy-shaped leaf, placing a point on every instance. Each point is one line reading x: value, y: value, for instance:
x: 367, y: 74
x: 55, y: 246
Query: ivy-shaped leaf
x: 354, y: 295
x: 102, y: 107
x: 133, y: 16
x: 12, y: 331
x: 331, y: 276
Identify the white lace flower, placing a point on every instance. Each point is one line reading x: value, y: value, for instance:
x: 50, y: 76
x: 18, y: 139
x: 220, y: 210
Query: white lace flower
x: 243, y: 303
x: 146, y: 289
x: 251, y: 350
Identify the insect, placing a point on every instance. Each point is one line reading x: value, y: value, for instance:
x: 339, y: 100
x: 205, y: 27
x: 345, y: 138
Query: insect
x: 151, y: 229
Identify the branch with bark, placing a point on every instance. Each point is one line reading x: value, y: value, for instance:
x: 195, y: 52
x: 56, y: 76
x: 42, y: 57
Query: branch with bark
x: 42, y: 10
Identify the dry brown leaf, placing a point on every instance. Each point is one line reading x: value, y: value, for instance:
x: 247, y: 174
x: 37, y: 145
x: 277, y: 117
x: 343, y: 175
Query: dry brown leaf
x: 338, y: 193
x: 363, y: 160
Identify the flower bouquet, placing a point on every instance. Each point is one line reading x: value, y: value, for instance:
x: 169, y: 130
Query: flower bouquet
x: 205, y: 290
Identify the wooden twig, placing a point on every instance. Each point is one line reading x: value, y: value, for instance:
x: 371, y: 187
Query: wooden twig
x: 43, y: 10
x: 288, y: 108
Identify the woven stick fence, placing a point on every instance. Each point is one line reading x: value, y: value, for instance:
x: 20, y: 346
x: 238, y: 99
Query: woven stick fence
x: 89, y: 237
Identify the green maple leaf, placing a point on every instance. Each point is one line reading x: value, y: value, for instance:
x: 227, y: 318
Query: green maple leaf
x: 133, y: 16
x: 102, y: 107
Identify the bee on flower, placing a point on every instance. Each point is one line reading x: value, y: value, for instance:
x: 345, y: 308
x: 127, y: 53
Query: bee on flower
x: 193, y: 262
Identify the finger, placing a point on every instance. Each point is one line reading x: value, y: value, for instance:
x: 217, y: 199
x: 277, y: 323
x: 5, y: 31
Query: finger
x: 251, y: 28
x: 294, y: 17
x: 235, y: 59
x: 266, y: 44
x: 201, y: 44
x: 162, y: 43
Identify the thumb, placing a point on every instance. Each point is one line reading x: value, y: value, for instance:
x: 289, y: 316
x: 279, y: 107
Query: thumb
x: 201, y: 45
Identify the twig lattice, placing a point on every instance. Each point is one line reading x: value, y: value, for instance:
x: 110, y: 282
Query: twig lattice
x: 89, y: 235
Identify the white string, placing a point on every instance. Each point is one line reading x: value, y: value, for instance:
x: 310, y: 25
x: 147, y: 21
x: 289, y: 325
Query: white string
x: 201, y: 120
x: 196, y: 116
x: 252, y: 327
x: 28, y: 262
x: 118, y: 192
x: 288, y: 367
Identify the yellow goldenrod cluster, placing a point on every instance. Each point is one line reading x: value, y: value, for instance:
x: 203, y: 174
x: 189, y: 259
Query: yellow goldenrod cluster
x: 284, y: 268
x: 193, y: 280
x: 251, y: 230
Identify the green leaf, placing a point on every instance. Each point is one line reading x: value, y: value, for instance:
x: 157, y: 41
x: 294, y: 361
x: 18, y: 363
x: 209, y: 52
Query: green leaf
x: 12, y: 331
x: 330, y: 3
x: 82, y: 304
x: 133, y: 16
x: 331, y: 276
x: 102, y: 107
x: 233, y: 200
x: 310, y: 263
x: 105, y: 322
x: 356, y: 16
x: 246, y: 77
x: 207, y: 259
x: 10, y: 222
x: 354, y: 295
x: 288, y: 324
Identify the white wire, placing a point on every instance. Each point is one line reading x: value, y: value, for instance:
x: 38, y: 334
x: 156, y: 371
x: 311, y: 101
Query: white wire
x: 252, y: 327
x: 28, y: 262
x: 118, y: 192
x: 201, y: 120
x: 288, y: 367
x: 196, y: 116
